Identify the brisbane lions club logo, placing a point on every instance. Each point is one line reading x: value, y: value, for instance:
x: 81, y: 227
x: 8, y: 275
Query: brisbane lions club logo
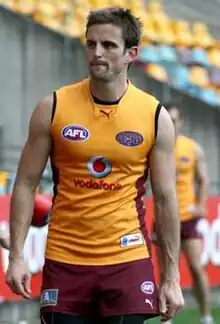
x: 99, y: 166
x: 129, y: 138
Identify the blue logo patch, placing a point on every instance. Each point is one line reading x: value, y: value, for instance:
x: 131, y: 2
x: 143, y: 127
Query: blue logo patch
x: 129, y: 138
x: 124, y: 242
x: 49, y: 297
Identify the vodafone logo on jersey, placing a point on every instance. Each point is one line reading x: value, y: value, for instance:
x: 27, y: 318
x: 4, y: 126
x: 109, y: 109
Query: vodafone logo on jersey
x: 99, y: 166
x: 75, y: 133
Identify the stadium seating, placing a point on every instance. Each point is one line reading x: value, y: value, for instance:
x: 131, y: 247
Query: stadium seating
x: 3, y: 181
x: 157, y: 72
x: 199, y: 76
x: 172, y: 50
x: 180, y: 77
x: 183, y: 34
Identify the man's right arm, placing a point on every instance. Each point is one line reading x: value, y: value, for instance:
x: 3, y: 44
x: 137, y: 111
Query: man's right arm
x: 31, y: 165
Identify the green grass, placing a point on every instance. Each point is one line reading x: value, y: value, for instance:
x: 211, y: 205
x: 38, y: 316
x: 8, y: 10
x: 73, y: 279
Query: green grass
x: 190, y: 316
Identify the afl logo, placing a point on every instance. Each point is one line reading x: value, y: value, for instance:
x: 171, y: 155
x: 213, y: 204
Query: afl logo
x: 147, y: 287
x: 129, y: 138
x: 75, y: 133
x: 99, y: 166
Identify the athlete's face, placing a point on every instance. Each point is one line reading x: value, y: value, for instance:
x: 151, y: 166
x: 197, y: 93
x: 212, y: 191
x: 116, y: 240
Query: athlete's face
x: 176, y: 119
x: 106, y: 53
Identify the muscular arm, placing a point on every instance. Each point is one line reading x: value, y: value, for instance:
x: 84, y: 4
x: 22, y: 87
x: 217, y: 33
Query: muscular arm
x: 32, y: 163
x: 201, y: 177
x: 163, y: 183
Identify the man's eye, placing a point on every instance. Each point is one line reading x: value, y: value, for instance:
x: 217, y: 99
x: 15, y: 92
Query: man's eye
x: 109, y: 45
x: 91, y: 44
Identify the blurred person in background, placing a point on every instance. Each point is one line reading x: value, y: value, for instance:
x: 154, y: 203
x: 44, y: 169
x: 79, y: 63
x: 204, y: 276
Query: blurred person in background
x: 101, y: 134
x: 191, y: 185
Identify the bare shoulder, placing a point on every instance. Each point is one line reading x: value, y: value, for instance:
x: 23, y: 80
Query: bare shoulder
x: 165, y: 135
x: 41, y: 117
x: 199, y: 151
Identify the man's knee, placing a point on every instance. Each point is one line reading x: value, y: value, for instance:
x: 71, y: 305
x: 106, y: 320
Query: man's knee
x: 197, y: 270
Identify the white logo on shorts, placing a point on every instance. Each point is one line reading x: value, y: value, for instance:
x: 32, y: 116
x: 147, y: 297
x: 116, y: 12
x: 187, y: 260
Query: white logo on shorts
x: 149, y: 302
x: 147, y: 287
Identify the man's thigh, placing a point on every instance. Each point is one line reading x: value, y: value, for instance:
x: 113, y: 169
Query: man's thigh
x: 127, y: 289
x: 66, y: 289
x: 127, y: 319
x: 192, y: 249
x: 59, y: 318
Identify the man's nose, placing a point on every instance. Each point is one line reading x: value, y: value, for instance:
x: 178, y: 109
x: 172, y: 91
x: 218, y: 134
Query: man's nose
x: 98, y: 52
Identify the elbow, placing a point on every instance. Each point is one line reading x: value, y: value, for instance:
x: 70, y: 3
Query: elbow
x: 165, y: 195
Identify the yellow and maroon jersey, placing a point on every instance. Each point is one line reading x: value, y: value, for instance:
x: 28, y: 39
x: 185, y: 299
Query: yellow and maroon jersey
x: 185, y: 153
x: 100, y: 162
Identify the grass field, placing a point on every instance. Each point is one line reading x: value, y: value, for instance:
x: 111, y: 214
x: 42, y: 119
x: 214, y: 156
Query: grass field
x: 190, y: 316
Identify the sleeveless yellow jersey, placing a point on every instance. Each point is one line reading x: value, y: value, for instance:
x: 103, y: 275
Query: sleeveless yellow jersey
x: 99, y: 160
x: 185, y: 153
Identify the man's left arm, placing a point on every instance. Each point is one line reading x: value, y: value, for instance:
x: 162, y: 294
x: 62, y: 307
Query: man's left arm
x: 201, y: 180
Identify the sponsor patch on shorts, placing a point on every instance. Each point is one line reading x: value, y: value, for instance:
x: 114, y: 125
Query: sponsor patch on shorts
x: 49, y: 297
x: 132, y: 240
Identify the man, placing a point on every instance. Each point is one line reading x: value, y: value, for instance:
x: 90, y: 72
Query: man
x: 101, y: 135
x: 191, y: 184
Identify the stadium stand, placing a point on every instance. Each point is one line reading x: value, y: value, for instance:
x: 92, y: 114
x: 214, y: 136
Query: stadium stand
x: 176, y: 51
x: 3, y: 181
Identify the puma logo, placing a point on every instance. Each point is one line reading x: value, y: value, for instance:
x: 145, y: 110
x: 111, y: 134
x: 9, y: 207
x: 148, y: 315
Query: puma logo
x: 105, y: 113
x: 149, y: 302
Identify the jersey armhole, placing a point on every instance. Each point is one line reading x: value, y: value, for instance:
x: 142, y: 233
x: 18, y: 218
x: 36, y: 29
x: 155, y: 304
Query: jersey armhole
x: 157, y: 113
x: 54, y: 106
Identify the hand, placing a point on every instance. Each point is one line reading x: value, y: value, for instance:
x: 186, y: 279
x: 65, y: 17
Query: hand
x: 199, y: 211
x: 18, y: 278
x: 170, y: 299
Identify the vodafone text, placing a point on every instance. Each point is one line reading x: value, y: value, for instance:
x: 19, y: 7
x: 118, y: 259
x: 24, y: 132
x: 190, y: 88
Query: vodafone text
x: 97, y: 185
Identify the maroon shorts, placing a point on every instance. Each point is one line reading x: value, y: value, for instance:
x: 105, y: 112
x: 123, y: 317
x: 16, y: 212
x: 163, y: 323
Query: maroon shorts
x: 188, y: 230
x: 99, y: 291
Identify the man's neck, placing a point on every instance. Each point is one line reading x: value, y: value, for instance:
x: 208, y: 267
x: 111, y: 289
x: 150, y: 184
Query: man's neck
x: 108, y: 91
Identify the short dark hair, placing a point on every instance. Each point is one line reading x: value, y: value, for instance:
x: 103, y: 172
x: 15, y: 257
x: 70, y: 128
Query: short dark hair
x: 123, y: 18
x: 173, y: 105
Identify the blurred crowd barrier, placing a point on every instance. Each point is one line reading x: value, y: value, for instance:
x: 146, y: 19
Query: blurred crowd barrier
x: 14, y: 308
